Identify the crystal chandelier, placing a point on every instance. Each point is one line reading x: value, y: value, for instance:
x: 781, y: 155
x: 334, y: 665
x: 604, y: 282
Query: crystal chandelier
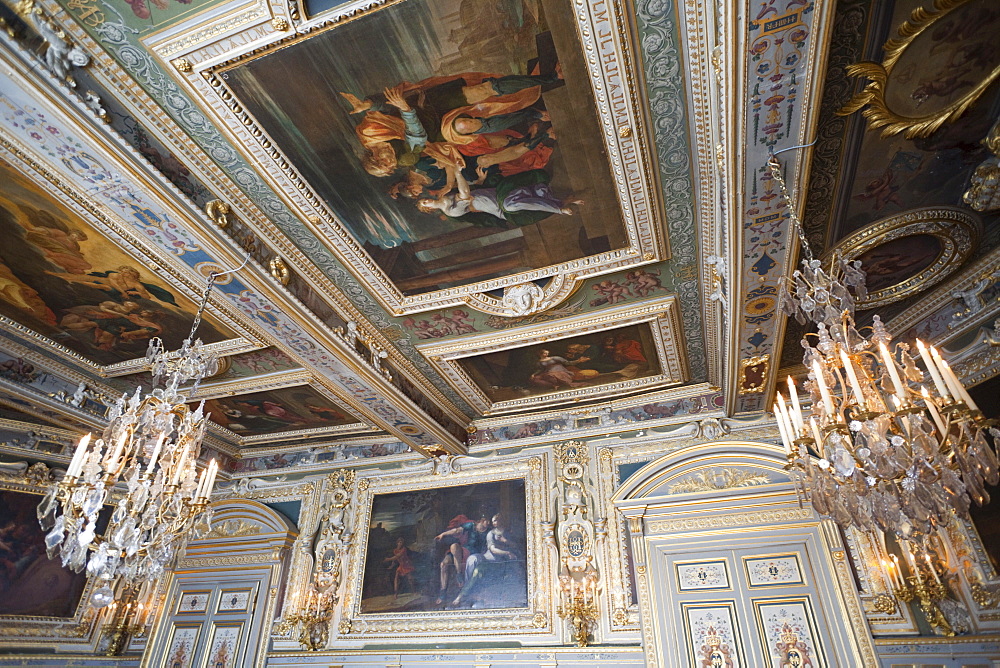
x: 884, y: 446
x: 144, y: 465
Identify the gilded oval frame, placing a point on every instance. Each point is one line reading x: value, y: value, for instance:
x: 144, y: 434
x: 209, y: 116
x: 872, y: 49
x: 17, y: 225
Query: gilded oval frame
x: 955, y: 229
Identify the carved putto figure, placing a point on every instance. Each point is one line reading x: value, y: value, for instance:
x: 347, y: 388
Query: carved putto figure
x: 60, y: 54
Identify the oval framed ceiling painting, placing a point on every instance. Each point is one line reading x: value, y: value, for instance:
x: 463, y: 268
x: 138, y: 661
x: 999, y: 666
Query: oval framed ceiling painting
x: 910, y: 252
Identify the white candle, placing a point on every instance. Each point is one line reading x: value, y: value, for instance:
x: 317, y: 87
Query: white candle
x: 199, y: 491
x: 852, y: 378
x: 959, y: 387
x: 824, y: 391
x: 781, y: 429
x: 944, y: 369
x: 214, y: 468
x: 933, y: 570
x: 180, y: 467
x: 939, y: 384
x: 116, y: 453
x: 911, y: 557
x: 890, y: 366
x: 156, y: 452
x: 796, y: 409
x: 76, y: 463
x: 818, y: 436
x: 785, y: 419
x: 932, y: 409
x: 895, y: 571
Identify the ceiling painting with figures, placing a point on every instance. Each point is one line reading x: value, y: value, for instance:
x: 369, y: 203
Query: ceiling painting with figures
x: 590, y: 360
x: 62, y: 278
x: 459, y: 150
x: 274, y: 411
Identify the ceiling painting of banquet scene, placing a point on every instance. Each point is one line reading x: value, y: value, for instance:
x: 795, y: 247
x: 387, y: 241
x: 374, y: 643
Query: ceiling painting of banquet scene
x: 65, y: 280
x: 891, y: 172
x: 468, y: 149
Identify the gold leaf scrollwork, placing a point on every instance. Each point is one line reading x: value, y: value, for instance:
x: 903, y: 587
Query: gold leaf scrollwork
x: 872, y: 100
x: 747, y: 383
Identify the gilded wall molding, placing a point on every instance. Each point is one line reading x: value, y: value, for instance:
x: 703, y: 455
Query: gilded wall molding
x: 35, y: 631
x: 780, y: 515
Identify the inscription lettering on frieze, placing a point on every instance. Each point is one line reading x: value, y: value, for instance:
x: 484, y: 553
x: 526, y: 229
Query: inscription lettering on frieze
x: 607, y: 51
x: 781, y: 23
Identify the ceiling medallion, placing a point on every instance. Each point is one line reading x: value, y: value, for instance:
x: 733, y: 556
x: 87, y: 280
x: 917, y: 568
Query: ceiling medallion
x: 908, y: 253
x: 524, y: 299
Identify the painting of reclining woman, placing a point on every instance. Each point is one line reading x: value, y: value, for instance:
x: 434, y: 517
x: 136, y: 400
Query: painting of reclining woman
x: 63, y: 279
x: 461, y: 149
x: 589, y: 360
x: 452, y: 548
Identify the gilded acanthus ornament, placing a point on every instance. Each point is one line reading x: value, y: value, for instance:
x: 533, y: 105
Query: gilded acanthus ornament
x: 219, y: 212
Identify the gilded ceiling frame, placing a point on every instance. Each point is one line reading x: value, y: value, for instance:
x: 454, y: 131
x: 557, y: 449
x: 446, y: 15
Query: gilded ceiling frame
x: 871, y: 101
x: 25, y: 631
x: 362, y: 386
x: 111, y: 75
x: 130, y: 243
x: 281, y: 380
x: 661, y: 314
x: 199, y: 51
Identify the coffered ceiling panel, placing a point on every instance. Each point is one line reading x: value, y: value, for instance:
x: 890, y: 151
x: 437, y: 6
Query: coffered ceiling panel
x: 464, y: 157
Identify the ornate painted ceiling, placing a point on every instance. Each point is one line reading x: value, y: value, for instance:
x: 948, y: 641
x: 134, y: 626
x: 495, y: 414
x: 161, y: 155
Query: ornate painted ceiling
x: 466, y: 222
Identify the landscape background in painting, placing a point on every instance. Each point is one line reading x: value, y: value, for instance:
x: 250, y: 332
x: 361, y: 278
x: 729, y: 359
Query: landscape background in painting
x: 403, y: 539
x: 285, y: 409
x: 295, y: 95
x: 599, y: 358
x: 62, y: 278
x: 31, y: 583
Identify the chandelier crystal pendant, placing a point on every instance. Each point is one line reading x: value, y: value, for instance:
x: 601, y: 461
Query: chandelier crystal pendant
x: 884, y: 446
x: 145, y: 465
